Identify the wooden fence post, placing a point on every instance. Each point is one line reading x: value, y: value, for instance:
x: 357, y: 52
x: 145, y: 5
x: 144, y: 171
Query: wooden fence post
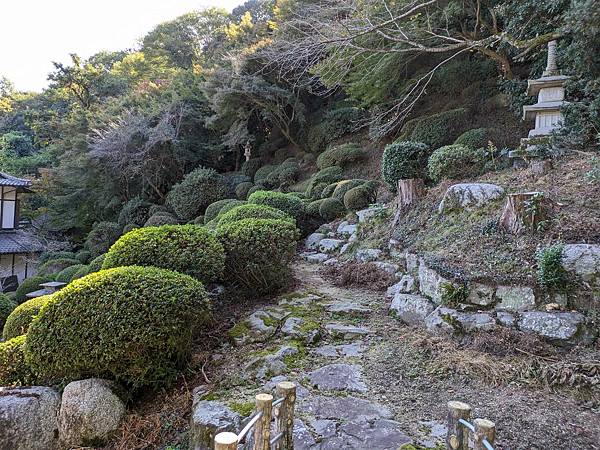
x: 285, y: 420
x: 226, y: 441
x: 458, y: 435
x: 484, y: 429
x: 262, y: 429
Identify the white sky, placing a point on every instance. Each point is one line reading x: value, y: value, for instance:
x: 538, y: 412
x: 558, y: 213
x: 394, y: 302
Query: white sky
x: 33, y: 33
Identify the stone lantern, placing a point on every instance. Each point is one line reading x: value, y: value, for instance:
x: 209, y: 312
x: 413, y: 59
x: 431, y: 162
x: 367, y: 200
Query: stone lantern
x: 248, y: 151
x: 550, y: 93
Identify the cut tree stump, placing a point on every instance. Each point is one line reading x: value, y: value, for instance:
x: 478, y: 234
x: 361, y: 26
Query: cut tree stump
x: 409, y: 191
x: 540, y: 167
x: 523, y: 211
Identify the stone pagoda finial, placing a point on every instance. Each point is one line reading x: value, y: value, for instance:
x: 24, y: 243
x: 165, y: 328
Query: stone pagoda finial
x: 551, y: 67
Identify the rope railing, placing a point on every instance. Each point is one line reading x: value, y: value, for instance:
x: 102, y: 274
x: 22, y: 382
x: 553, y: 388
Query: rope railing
x: 483, y: 430
x: 281, y: 409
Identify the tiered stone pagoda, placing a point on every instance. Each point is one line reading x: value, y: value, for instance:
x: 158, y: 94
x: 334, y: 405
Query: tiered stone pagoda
x: 550, y: 92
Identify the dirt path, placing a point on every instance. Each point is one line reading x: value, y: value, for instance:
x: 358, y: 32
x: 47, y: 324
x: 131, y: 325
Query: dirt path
x: 368, y: 382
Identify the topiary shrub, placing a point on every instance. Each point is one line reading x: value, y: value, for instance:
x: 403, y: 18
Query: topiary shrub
x: 7, y: 305
x: 47, y: 256
x: 341, y: 155
x: 242, y: 189
x: 331, y: 208
x: 361, y: 197
x: 259, y: 252
x: 344, y: 186
x: 215, y: 208
x: 161, y: 218
x: 82, y: 272
x: 250, y: 167
x: 254, y: 189
x: 436, y: 130
x: 14, y: 371
x: 456, y: 161
x: 284, y: 175
x: 158, y: 209
x: 334, y: 124
x: 475, y: 138
x: 316, y: 191
x: 131, y: 324
x: 403, y: 160
x: 83, y: 256
x: 312, y: 208
x: 102, y: 236
x: 68, y: 274
x: 289, y: 204
x: 188, y: 249
x: 262, y: 173
x: 253, y: 211
x: 56, y: 265
x: 18, y: 321
x: 198, y: 189
x: 328, y: 191
x: 324, y: 177
x: 129, y: 227
x: 29, y: 285
x: 134, y: 211
x: 96, y: 263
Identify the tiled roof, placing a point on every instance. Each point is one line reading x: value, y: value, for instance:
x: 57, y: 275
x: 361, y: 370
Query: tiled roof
x: 9, y: 180
x: 19, y: 241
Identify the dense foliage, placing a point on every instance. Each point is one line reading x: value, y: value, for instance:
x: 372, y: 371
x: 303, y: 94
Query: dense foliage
x: 14, y: 371
x: 252, y: 211
x: 31, y: 284
x: 456, y: 161
x: 188, y: 249
x: 7, y: 305
x: 19, y: 320
x: 341, y: 155
x: 131, y: 324
x: 403, y: 160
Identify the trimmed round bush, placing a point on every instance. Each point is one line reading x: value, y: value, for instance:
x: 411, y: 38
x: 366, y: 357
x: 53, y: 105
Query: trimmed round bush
x: 96, y: 264
x: 289, y: 204
x: 312, y: 208
x: 215, y: 208
x: 19, y: 320
x: 262, y: 173
x: 198, y: 220
x: 250, y: 167
x: 134, y: 211
x: 316, y: 191
x: 102, y: 236
x: 328, y: 191
x: 331, y: 208
x: 161, y: 218
x: 361, y: 197
x: 188, y: 249
x: 83, y: 256
x: 198, y: 189
x: 29, y: 285
x: 456, y: 161
x: 344, y: 186
x: 437, y: 129
x: 252, y: 211
x: 341, y: 155
x: 56, y: 265
x: 254, y: 189
x: 241, y: 190
x: 47, y: 256
x: 403, y: 160
x: 68, y: 274
x: 158, y: 209
x: 475, y: 138
x: 82, y: 272
x: 130, y: 324
x: 326, y: 176
x: 7, y: 306
x: 129, y: 227
x: 14, y: 371
x: 259, y: 252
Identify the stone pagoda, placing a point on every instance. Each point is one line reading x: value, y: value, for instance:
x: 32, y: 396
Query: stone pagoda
x: 550, y: 93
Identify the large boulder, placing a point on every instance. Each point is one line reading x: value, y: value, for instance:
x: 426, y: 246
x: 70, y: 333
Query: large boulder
x: 431, y: 283
x: 365, y: 215
x: 555, y: 326
x: 448, y: 321
x: 346, y: 229
x: 28, y: 418
x: 469, y: 195
x: 406, y: 285
x: 338, y: 377
x: 584, y: 261
x: 89, y: 413
x: 515, y: 298
x: 481, y: 294
x: 312, y: 241
x: 330, y: 245
x: 368, y: 254
x: 210, y: 418
x: 411, y: 309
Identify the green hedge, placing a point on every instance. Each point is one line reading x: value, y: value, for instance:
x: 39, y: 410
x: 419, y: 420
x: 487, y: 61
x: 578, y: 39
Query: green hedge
x: 323, y: 178
x: 252, y: 211
x: 214, y: 209
x: 188, y: 249
x: 7, y: 305
x: 161, y: 218
x: 329, y: 189
x: 56, y: 265
x: 455, y: 162
x: 19, y: 320
x: 259, y: 252
x: 331, y: 209
x: 361, y: 197
x: 250, y: 167
x: 96, y: 264
x: 437, y: 129
x: 102, y: 236
x: 198, y: 189
x: 131, y: 324
x: 135, y: 211
x: 403, y: 160
x: 262, y: 173
x: 83, y: 256
x: 68, y: 274
x: 47, y: 256
x: 344, y: 186
x: 29, y: 285
x: 14, y: 371
x: 312, y: 208
x: 242, y: 189
x: 341, y: 155
x: 475, y: 138
x: 289, y: 204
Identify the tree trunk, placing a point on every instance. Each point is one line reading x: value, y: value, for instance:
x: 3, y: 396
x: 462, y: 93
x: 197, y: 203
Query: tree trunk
x: 409, y: 191
x: 540, y: 167
x: 523, y: 211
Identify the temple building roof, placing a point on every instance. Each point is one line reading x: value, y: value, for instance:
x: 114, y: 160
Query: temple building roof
x: 20, y: 241
x: 9, y: 180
